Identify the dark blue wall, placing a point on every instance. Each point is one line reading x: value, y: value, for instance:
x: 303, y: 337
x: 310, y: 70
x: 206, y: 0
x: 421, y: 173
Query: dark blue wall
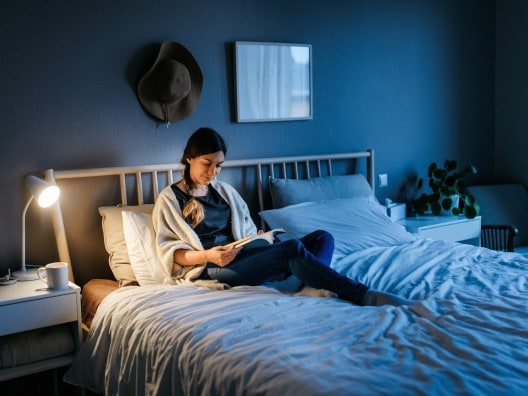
x: 511, y: 97
x: 412, y: 79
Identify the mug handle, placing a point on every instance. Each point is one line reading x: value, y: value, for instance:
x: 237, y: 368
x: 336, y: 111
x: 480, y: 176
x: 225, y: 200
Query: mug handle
x: 40, y: 276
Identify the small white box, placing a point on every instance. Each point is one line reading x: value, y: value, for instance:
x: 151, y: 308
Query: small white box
x: 396, y: 211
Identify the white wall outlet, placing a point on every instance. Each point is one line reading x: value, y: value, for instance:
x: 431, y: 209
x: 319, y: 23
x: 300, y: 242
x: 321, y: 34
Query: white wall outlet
x: 383, y: 180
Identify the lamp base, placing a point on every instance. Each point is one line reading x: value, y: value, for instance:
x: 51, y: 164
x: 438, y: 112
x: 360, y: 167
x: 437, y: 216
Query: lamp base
x: 26, y: 275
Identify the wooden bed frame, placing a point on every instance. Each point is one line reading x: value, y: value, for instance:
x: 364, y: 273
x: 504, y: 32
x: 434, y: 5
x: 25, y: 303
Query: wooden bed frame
x: 149, y: 180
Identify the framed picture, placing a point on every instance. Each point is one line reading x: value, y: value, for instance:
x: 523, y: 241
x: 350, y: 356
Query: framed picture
x: 273, y: 81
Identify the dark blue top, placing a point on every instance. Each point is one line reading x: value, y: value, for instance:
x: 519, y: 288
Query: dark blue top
x: 215, y: 229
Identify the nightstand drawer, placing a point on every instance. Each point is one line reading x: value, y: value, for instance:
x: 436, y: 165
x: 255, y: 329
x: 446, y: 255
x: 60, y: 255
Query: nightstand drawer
x: 445, y: 228
x: 42, y: 312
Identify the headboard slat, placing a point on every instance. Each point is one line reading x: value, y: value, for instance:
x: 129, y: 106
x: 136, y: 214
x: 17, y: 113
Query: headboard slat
x: 155, y: 186
x: 122, y: 188
x: 170, y: 177
x: 139, y: 188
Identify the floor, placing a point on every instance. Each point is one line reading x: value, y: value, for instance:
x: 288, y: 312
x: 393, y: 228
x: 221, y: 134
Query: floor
x: 40, y: 384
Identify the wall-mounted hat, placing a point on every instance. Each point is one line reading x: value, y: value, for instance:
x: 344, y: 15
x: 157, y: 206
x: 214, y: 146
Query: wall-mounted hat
x: 171, y: 89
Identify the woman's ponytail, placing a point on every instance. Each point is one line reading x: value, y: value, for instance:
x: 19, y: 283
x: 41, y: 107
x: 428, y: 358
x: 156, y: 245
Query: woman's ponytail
x: 193, y: 211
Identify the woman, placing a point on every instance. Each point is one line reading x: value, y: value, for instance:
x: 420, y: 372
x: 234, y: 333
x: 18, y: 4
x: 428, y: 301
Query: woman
x: 197, y: 216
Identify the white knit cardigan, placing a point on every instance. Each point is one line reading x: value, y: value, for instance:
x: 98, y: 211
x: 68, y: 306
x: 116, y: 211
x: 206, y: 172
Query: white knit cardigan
x: 173, y: 232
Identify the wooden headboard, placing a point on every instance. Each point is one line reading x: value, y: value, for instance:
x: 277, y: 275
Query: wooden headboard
x: 76, y: 216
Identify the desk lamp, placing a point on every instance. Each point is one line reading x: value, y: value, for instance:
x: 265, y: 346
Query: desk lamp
x: 46, y: 194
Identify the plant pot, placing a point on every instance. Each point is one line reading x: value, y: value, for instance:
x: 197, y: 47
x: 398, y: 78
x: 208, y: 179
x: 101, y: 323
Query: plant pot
x: 449, y: 212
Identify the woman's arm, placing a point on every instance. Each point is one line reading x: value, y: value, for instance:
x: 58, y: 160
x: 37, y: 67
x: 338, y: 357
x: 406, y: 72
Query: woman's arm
x: 218, y: 255
x: 172, y: 234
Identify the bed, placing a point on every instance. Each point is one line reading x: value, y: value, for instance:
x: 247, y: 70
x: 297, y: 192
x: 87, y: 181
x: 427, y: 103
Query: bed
x: 467, y: 333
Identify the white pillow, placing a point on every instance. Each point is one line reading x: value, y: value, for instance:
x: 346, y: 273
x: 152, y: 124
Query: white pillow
x: 114, y: 240
x: 141, y: 245
x: 355, y: 223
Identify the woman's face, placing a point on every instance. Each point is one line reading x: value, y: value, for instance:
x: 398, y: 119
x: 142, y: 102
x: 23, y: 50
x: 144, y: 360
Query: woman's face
x: 205, y: 168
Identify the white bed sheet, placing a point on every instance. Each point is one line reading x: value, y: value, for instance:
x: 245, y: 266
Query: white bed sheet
x: 467, y: 335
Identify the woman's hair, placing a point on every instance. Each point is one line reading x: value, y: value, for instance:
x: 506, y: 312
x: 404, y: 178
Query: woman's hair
x: 202, y: 141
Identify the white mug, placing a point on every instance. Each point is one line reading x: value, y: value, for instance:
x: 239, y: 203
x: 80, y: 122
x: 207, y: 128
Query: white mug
x: 56, y: 275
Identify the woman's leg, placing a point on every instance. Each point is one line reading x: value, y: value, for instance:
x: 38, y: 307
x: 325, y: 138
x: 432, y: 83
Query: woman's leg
x: 256, y: 266
x: 321, y: 245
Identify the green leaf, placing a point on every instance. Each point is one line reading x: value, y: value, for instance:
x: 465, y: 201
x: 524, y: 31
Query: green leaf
x: 450, y: 165
x: 469, y: 200
x: 447, y: 203
x: 431, y: 169
x: 470, y: 212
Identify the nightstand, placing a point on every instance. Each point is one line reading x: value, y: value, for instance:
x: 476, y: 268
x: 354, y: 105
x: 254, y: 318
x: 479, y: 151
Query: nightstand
x: 448, y: 228
x: 29, y: 305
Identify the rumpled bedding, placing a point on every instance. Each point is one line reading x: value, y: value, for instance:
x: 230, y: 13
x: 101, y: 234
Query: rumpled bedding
x: 467, y: 333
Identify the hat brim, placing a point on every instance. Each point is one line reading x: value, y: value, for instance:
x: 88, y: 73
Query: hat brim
x: 147, y: 85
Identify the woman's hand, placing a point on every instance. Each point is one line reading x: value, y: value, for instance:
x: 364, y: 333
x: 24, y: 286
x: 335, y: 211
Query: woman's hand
x: 221, y: 255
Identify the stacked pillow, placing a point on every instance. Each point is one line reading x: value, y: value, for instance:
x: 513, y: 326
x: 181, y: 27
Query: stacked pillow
x: 115, y: 242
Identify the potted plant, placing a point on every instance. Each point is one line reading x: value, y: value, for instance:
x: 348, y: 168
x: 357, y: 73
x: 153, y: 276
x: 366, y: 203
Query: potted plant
x: 447, y: 195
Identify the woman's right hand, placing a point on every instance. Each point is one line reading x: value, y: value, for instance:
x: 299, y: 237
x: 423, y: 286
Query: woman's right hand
x: 221, y: 255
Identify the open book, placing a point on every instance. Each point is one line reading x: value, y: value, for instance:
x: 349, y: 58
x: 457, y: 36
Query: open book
x: 255, y: 241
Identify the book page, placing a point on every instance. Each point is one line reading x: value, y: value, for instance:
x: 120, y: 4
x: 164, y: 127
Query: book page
x: 259, y: 240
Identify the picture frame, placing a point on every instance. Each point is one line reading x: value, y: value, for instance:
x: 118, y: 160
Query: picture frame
x: 273, y: 81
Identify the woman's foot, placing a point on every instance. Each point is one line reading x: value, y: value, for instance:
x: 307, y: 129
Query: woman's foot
x: 377, y: 298
x: 309, y: 291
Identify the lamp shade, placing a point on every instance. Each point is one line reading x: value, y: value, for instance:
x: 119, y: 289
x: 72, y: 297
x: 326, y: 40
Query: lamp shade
x: 45, y: 193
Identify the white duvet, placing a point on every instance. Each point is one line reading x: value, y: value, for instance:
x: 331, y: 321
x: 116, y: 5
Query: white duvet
x: 467, y: 335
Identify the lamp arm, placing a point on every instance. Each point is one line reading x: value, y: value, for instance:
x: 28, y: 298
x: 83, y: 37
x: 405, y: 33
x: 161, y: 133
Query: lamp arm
x: 23, y: 267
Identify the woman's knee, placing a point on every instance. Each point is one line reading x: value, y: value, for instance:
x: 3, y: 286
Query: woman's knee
x: 320, y: 238
x: 320, y: 243
x: 324, y: 236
